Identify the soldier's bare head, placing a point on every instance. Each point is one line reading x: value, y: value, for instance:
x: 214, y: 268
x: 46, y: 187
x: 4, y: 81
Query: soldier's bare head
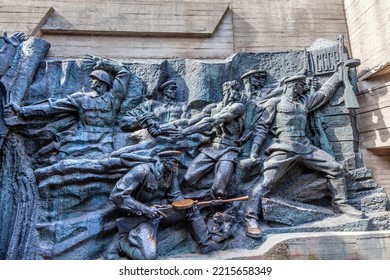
x: 231, y: 91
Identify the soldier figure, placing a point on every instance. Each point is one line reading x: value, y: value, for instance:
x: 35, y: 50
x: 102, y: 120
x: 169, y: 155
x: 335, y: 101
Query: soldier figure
x: 254, y: 81
x: 153, y: 114
x: 227, y: 119
x: 96, y: 111
x: 253, y: 97
x: 140, y: 193
x: 286, y: 118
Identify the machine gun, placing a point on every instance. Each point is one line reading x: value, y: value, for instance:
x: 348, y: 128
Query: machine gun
x: 125, y: 224
x: 349, y: 96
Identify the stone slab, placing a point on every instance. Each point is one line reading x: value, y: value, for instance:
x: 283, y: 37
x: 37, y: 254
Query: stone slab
x: 292, y: 213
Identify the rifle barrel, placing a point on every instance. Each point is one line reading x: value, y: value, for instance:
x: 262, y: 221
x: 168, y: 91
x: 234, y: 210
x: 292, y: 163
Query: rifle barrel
x: 221, y: 201
x: 242, y: 198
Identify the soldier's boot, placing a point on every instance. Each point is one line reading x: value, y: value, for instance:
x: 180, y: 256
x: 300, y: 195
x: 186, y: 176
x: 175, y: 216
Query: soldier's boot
x: 112, y: 252
x: 253, y: 228
x: 218, y: 188
x: 130, y: 251
x: 339, y: 195
x: 211, y: 246
x: 201, y: 234
x: 252, y: 211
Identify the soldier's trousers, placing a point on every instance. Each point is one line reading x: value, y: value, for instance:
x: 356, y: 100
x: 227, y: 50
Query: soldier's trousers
x: 277, y: 165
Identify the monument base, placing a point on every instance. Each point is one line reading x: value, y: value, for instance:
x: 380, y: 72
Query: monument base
x: 343, y: 238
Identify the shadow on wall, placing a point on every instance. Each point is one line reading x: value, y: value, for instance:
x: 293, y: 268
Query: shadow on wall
x: 372, y: 123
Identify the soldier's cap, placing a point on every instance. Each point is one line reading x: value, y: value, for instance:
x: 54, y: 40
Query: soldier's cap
x: 169, y: 154
x: 300, y: 78
x: 102, y: 76
x: 168, y: 83
x: 261, y: 73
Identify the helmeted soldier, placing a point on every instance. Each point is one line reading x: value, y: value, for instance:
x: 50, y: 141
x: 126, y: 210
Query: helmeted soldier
x: 96, y: 111
x: 286, y: 118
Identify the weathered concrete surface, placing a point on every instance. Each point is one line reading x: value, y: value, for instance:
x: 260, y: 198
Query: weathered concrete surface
x: 292, y: 213
x: 258, y: 25
x: 366, y: 19
x: 313, y: 246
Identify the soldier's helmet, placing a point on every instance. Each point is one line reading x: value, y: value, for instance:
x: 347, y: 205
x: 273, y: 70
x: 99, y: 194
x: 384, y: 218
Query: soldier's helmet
x: 102, y: 76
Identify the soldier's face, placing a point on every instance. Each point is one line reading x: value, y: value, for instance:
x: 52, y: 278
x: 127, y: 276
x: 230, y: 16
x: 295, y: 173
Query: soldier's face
x: 97, y: 85
x: 170, y: 91
x: 299, y: 88
x: 234, y: 94
x: 257, y: 81
x: 171, y: 164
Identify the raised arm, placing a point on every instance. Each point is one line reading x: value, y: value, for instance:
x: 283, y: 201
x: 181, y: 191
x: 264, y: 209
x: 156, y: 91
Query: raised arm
x: 319, y: 98
x: 119, y: 71
x: 7, y: 52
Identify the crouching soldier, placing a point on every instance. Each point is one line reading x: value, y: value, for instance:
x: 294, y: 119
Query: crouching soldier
x: 140, y: 194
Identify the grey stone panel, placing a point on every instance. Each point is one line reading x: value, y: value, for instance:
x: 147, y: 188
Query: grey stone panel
x: 292, y: 213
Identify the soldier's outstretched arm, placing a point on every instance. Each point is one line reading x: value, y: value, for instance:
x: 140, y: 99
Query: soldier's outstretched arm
x: 224, y: 116
x: 235, y: 110
x: 16, y: 39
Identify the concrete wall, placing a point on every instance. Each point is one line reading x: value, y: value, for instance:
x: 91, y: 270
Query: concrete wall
x: 274, y: 25
x: 369, y: 26
x: 173, y: 28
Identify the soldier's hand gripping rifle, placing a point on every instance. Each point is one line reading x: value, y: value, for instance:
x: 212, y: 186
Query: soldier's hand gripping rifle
x: 127, y: 223
x: 189, y: 203
x: 349, y: 96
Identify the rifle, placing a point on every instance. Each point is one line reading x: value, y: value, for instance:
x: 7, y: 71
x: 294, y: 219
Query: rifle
x: 349, y: 96
x: 189, y: 203
x: 320, y: 139
x: 126, y: 224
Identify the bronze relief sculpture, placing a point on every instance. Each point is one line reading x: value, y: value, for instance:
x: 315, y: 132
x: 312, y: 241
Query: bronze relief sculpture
x: 103, y: 165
